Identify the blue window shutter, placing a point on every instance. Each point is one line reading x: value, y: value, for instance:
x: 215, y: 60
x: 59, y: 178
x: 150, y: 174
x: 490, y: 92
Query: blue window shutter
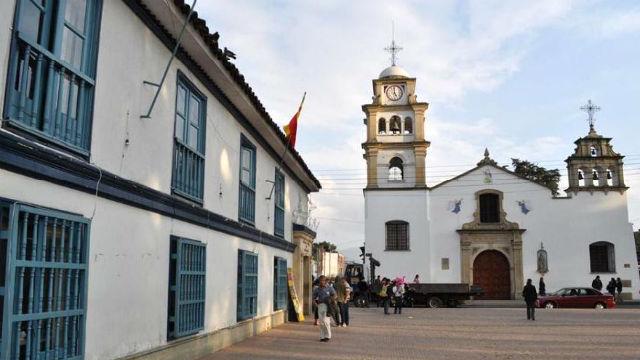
x: 46, y: 285
x: 189, y: 141
x: 247, y: 200
x: 51, y: 76
x: 280, y: 285
x: 279, y: 207
x: 247, y: 284
x: 187, y: 287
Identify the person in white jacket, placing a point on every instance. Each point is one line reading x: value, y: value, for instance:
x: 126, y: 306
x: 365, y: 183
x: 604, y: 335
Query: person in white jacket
x: 398, y: 296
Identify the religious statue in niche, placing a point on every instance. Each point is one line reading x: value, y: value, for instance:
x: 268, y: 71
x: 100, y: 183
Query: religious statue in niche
x: 455, y: 206
x: 543, y: 264
x: 488, y: 178
x: 523, y: 207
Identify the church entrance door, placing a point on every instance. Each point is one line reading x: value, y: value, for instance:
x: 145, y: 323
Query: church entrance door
x: 491, y: 273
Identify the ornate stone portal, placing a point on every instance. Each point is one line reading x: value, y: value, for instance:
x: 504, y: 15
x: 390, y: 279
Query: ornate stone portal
x: 303, y: 238
x: 503, y: 236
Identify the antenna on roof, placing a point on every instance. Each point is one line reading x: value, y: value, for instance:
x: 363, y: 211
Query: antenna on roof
x: 166, y: 69
x: 229, y: 54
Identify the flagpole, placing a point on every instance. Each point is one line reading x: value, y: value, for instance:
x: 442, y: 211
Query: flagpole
x: 286, y: 146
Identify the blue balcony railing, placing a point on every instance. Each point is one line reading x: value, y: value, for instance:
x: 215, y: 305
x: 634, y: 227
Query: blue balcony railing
x: 188, y: 172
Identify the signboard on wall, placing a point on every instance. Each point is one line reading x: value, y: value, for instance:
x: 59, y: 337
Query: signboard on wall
x: 297, y: 307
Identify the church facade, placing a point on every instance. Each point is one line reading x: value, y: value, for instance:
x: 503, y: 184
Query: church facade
x: 489, y: 226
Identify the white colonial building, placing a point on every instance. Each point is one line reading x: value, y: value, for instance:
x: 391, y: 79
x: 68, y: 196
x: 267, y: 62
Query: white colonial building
x: 489, y: 226
x: 133, y: 226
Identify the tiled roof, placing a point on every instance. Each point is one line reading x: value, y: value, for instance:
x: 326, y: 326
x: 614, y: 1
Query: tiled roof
x: 211, y: 39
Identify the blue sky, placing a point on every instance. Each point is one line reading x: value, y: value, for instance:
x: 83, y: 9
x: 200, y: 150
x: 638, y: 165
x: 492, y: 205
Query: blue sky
x: 507, y: 75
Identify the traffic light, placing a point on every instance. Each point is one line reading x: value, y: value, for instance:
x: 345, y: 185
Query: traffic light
x: 362, y: 253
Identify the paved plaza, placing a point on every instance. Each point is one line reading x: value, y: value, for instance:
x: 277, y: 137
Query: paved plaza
x: 464, y: 333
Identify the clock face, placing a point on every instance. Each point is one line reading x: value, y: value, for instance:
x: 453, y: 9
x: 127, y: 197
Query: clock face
x: 394, y: 92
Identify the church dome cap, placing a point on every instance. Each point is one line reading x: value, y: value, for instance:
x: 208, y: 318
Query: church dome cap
x: 393, y: 71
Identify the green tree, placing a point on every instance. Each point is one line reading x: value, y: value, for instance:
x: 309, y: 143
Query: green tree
x: 539, y: 174
x: 327, y: 246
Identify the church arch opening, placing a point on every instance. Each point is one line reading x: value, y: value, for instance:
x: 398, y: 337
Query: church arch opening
x: 489, y: 208
x: 395, y: 169
x: 382, y: 126
x: 395, y: 126
x: 491, y: 271
x: 408, y: 125
x: 602, y: 256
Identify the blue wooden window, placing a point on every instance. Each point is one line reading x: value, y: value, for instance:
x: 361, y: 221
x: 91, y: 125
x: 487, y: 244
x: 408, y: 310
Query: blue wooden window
x: 278, y: 217
x: 51, y: 75
x: 247, y: 284
x: 280, y: 283
x: 46, y: 285
x: 4, y: 246
x: 187, y: 275
x: 247, y: 207
x: 189, y: 139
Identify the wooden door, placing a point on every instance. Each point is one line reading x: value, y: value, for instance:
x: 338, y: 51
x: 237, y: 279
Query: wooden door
x: 491, y: 273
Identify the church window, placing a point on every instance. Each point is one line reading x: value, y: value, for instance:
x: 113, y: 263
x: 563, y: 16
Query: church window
x: 581, y: 178
x: 593, y: 151
x: 408, y: 125
x: 596, y: 178
x: 396, y: 169
x: 397, y: 235
x: 395, y: 126
x: 602, y: 256
x: 382, y: 126
x: 489, y: 208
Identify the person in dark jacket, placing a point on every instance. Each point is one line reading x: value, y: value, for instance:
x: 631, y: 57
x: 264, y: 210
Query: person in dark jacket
x: 530, y: 296
x: 542, y: 287
x: 611, y: 287
x: 597, y: 283
x: 619, y: 289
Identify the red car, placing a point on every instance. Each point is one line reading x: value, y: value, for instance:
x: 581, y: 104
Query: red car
x: 577, y: 297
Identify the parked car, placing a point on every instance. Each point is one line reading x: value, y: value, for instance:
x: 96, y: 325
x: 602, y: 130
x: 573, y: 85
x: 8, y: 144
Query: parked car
x: 577, y: 297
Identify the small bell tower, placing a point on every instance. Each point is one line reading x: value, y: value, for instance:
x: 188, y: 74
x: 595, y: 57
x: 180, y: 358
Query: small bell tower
x: 594, y: 166
x: 395, y: 148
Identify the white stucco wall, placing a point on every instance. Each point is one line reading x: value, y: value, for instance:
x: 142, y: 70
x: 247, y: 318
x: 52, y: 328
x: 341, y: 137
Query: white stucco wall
x: 6, y: 24
x: 129, y: 247
x: 565, y: 226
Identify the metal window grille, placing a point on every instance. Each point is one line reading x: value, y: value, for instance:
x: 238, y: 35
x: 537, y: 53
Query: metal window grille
x: 397, y: 235
x: 280, y: 287
x: 489, y: 208
x: 46, y: 282
x: 247, y: 285
x: 602, y: 256
x: 278, y: 218
x: 51, y: 72
x: 187, y: 287
x: 247, y: 201
x: 189, y: 142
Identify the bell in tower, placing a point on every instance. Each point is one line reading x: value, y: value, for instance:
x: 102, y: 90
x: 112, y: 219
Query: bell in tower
x: 594, y: 155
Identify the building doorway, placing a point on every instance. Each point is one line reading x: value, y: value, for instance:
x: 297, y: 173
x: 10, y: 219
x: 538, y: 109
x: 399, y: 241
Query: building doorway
x: 491, y: 271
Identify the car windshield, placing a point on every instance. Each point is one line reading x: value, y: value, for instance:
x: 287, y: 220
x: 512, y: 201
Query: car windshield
x: 560, y: 292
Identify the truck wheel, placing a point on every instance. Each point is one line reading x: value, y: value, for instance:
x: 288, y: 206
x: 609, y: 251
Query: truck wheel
x: 434, y: 302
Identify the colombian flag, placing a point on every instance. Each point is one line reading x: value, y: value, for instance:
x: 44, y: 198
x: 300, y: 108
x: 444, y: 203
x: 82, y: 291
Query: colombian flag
x: 291, y: 128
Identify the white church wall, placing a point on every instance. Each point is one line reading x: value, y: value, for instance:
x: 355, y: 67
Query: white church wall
x: 407, y: 205
x: 565, y: 226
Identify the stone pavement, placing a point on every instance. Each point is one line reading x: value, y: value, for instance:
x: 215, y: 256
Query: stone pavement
x: 463, y: 333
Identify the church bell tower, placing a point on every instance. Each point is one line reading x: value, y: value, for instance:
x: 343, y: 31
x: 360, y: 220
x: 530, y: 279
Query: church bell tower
x: 395, y: 148
x: 594, y: 166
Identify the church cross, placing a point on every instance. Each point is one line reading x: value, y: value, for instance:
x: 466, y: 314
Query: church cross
x: 393, y: 48
x: 590, y: 108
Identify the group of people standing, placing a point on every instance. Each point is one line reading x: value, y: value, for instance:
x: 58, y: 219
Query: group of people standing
x: 614, y: 287
x: 331, y: 301
x: 388, y: 290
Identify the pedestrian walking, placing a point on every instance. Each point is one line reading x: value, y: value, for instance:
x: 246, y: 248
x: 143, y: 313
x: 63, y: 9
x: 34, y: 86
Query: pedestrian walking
x: 530, y: 296
x: 322, y: 296
x: 333, y: 304
x: 416, y: 280
x: 611, y: 287
x: 314, y: 306
x: 542, y: 287
x: 619, y: 289
x: 343, y: 291
x: 597, y: 283
x: 398, y: 295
